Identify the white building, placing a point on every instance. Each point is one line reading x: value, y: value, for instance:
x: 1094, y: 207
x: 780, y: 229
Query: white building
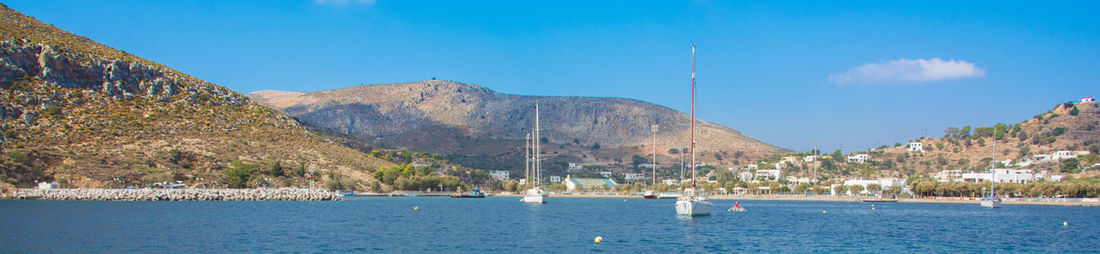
x: 790, y: 159
x: 645, y: 165
x: 949, y: 176
x: 604, y: 174
x: 780, y: 165
x: 670, y: 181
x: 1086, y: 99
x: 573, y: 184
x: 1005, y: 175
x: 499, y: 175
x: 634, y: 176
x: 858, y: 158
x: 574, y: 166
x: 745, y: 176
x: 1061, y: 155
x: 885, y: 183
x: 555, y: 179
x: 809, y: 158
x: 916, y: 147
x: 47, y: 186
x: 798, y: 180
x: 768, y: 174
x: 751, y: 166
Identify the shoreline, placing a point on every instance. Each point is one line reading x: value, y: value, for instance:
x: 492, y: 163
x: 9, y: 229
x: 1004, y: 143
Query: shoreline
x: 280, y: 194
x: 824, y: 198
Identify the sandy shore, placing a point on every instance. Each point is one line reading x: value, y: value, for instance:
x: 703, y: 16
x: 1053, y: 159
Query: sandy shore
x: 817, y: 198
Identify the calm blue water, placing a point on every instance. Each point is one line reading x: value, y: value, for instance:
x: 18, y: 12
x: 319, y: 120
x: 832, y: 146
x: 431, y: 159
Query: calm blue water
x: 503, y: 224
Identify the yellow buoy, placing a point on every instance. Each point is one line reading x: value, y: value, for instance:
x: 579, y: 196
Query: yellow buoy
x: 822, y: 211
x: 1065, y: 224
x: 416, y: 208
x: 598, y: 239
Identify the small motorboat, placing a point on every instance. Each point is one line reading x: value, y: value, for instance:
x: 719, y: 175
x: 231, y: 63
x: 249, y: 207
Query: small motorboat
x: 737, y: 208
x: 649, y: 195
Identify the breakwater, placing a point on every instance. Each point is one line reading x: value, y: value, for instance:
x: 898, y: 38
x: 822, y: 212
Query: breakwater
x: 281, y: 194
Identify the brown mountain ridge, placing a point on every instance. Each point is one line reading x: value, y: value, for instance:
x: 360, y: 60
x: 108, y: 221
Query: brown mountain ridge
x: 472, y: 123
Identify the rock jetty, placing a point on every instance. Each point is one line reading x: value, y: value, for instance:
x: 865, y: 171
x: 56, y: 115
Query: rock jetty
x: 281, y: 194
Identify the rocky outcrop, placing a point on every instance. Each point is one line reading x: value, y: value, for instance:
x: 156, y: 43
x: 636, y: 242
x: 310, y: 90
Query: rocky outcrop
x: 281, y: 194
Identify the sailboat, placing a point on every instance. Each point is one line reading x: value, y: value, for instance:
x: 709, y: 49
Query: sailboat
x: 992, y: 201
x: 693, y: 201
x: 535, y: 194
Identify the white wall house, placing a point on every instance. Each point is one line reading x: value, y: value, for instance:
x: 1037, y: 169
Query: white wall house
x: 858, y: 158
x: 809, y: 158
x: 555, y: 179
x: 670, y: 181
x: 605, y: 174
x: 1061, y: 155
x: 769, y: 174
x: 47, y: 186
x: 949, y: 176
x: 1006, y: 175
x: 751, y: 166
x: 916, y: 147
x: 634, y: 176
x: 499, y: 175
x: 1086, y: 99
x: 745, y: 176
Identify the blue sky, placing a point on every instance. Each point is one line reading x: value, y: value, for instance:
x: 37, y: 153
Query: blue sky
x: 849, y: 74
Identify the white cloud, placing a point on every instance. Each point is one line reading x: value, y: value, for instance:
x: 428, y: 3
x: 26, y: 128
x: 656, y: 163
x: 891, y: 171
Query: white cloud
x: 908, y: 70
x: 341, y: 2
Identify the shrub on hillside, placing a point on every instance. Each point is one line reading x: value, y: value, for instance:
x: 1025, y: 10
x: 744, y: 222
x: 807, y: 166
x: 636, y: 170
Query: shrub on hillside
x: 239, y: 173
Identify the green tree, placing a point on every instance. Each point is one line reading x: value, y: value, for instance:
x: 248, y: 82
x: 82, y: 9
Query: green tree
x: 596, y: 146
x: 842, y: 190
x: 856, y: 189
x: 239, y: 173
x: 1074, y: 111
x: 874, y: 188
x: 638, y: 160
x: 277, y: 169
x: 1070, y: 165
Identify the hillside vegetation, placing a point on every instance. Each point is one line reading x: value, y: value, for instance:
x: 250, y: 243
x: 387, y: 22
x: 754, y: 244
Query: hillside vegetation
x: 87, y: 115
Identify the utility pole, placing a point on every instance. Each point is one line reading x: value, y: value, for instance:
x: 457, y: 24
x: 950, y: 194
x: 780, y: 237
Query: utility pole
x: 654, y: 127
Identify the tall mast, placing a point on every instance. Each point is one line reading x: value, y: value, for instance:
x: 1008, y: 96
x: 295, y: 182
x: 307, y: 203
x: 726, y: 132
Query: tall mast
x: 538, y: 145
x: 692, y: 116
x: 527, y: 159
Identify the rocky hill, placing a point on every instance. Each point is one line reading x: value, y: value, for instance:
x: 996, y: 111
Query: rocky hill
x: 1070, y: 126
x: 85, y: 114
x: 473, y: 124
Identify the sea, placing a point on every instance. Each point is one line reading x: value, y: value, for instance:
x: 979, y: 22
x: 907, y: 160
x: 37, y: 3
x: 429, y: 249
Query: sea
x: 562, y: 225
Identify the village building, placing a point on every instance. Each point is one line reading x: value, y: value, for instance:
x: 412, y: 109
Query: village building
x: 916, y: 146
x: 858, y: 158
x: 499, y: 175
x: 573, y: 184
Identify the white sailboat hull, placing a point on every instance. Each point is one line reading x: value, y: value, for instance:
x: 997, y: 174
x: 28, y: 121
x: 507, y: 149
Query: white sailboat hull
x: 535, y: 195
x: 693, y: 207
x: 987, y: 203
